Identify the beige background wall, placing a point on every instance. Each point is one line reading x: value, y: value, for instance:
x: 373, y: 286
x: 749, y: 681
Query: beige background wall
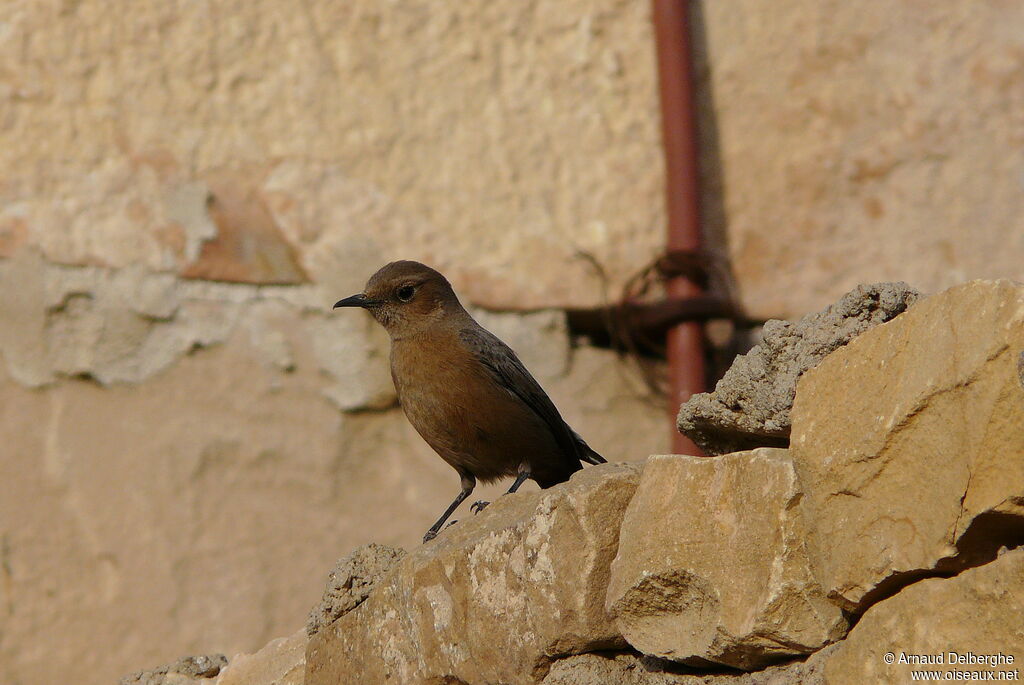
x: 191, y: 437
x: 479, y: 136
x: 863, y: 141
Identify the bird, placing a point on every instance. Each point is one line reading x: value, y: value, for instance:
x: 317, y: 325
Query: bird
x: 465, y: 391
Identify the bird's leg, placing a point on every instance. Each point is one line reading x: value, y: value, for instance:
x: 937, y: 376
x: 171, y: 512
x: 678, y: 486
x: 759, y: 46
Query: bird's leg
x: 468, y: 483
x: 524, y: 473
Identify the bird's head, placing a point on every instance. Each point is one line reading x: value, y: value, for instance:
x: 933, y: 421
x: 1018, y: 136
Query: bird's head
x: 406, y: 297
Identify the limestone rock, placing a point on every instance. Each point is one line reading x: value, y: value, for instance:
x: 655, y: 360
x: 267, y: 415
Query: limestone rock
x: 201, y: 666
x: 977, y: 612
x: 628, y: 669
x: 598, y: 669
x: 619, y: 668
x: 750, y: 406
x: 712, y: 567
x: 494, y: 598
x: 184, y: 671
x: 910, y: 442
x: 351, y: 581
x: 280, y: 662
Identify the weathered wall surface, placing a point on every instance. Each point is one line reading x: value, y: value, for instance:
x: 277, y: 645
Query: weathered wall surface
x: 843, y: 143
x: 189, y: 435
x: 863, y: 142
x: 477, y: 137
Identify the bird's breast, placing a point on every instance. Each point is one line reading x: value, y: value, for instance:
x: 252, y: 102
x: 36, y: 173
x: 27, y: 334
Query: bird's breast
x: 442, y: 391
x: 455, y: 404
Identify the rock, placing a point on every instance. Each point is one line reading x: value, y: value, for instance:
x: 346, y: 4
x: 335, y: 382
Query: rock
x: 493, y: 599
x: 978, y: 612
x: 910, y: 442
x: 712, y: 568
x: 629, y: 669
x: 621, y: 669
x: 202, y: 666
x: 280, y: 662
x: 750, y: 406
x: 350, y: 583
x: 184, y: 671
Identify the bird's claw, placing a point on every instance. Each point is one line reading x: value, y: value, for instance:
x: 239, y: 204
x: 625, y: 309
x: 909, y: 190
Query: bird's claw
x: 478, y: 506
x: 431, y: 534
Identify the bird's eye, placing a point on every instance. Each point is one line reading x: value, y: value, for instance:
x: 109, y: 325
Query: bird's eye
x: 405, y: 293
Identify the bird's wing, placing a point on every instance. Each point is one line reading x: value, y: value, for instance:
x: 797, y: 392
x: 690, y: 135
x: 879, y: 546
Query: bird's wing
x: 587, y: 452
x: 510, y: 373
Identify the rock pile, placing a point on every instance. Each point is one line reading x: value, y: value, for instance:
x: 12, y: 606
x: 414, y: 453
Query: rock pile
x: 886, y: 530
x: 750, y: 406
x: 535, y: 563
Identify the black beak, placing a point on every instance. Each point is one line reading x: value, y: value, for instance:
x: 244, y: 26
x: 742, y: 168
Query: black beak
x: 359, y: 300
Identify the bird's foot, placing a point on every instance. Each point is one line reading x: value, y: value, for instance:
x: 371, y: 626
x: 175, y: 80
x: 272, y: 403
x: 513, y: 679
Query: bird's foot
x: 431, y: 534
x: 478, y: 506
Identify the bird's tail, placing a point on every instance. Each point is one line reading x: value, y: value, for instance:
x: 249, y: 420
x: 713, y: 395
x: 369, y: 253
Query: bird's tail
x: 586, y: 452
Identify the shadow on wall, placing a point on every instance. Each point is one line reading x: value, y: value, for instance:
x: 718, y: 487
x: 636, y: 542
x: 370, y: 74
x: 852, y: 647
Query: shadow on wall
x: 712, y: 192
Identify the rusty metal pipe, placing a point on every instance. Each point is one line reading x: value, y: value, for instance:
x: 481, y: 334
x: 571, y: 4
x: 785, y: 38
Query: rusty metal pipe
x: 685, y: 343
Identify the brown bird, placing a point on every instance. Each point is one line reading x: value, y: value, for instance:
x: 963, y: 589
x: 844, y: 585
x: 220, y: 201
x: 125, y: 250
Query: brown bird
x: 464, y: 390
